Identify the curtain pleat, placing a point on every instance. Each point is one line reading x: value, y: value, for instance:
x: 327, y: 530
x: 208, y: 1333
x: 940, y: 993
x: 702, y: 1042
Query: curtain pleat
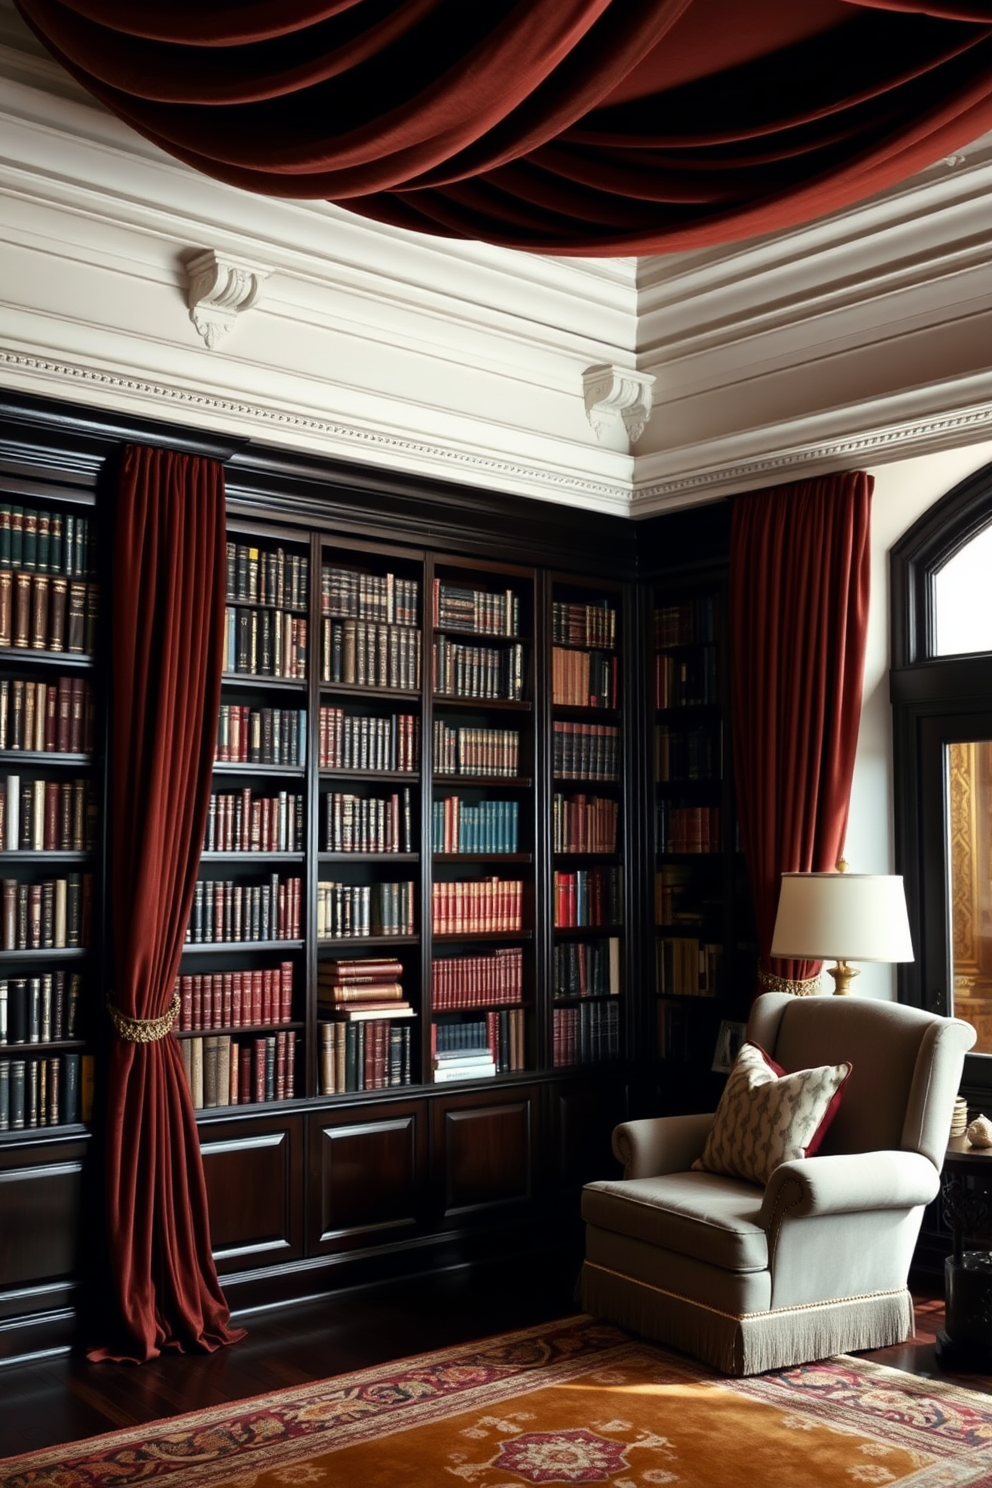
x: 167, y: 598
x: 589, y: 127
x: 799, y: 587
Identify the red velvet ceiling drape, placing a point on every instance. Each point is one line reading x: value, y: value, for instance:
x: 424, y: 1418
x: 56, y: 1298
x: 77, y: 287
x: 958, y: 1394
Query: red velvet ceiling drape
x: 561, y: 126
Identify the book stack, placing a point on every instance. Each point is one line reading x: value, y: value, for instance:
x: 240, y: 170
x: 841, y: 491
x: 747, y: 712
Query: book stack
x: 457, y: 607
x: 225, y: 912
x: 44, y: 1091
x: 46, y: 815
x: 584, y: 824
x: 688, y: 967
x: 364, y: 653
x: 368, y: 824
x: 585, y: 751
x: 367, y: 1046
x: 461, y: 1051
x: 345, y: 910
x: 688, y: 829
x: 686, y: 754
x: 592, y: 896
x: 684, y: 624
x: 584, y: 679
x: 477, y: 981
x: 475, y: 751
x: 221, y: 1071
x: 262, y: 642
x: 239, y: 821
x: 356, y: 595
x: 236, y: 999
x: 584, y: 624
x: 261, y: 736
x: 489, y: 827
x: 47, y: 916
x: 584, y: 968
x: 586, y: 1034
x: 47, y: 717
x: 478, y: 671
x: 46, y: 600
x: 349, y: 742
x: 485, y: 906
x: 270, y: 576
x: 686, y: 681
x: 39, y: 1009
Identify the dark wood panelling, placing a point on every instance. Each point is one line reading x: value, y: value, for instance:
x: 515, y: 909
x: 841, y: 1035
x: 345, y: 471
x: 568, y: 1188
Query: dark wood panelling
x: 367, y: 1175
x: 583, y: 1115
x: 253, y: 1173
x: 484, y: 1151
x: 42, y: 1187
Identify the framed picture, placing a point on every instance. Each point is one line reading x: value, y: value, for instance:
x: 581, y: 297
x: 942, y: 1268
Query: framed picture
x: 728, y: 1043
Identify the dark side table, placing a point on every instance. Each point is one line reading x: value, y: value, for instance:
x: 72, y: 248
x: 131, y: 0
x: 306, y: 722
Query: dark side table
x: 965, y: 1341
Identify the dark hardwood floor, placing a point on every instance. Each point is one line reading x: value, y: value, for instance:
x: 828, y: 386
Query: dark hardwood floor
x: 64, y: 1399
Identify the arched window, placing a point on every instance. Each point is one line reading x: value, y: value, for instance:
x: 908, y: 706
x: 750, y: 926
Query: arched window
x: 941, y: 689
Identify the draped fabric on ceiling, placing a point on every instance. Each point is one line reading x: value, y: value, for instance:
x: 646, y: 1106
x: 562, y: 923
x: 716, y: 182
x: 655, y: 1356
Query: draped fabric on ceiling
x: 168, y: 619
x: 799, y: 584
x: 592, y: 127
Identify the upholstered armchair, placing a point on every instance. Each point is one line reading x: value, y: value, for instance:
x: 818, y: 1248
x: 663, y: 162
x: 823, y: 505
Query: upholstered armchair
x: 813, y: 1261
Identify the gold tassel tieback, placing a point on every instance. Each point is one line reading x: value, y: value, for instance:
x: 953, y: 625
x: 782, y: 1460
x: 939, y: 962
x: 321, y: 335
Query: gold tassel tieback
x: 143, y: 1030
x: 806, y: 987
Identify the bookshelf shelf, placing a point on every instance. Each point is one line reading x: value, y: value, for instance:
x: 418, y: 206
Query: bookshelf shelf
x: 446, y: 700
x: 409, y: 695
x: 240, y: 1029
x: 252, y: 859
x: 368, y: 857
x: 44, y: 757
x: 342, y: 942
x: 57, y: 954
x: 262, y: 682
x: 225, y: 947
x: 483, y: 857
x: 580, y: 932
x: 399, y: 777
x: 53, y: 857
x: 445, y: 780
x: 243, y: 768
x: 66, y: 660
x: 480, y: 937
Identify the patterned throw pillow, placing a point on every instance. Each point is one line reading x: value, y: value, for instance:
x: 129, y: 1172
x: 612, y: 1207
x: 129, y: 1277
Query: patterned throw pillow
x: 767, y: 1117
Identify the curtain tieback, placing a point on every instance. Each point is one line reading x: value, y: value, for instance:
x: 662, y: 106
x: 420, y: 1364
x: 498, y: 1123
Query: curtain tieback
x: 801, y: 987
x: 143, y: 1030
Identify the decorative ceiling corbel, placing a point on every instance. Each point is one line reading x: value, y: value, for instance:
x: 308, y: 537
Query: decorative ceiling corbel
x: 618, y: 404
x: 219, y: 289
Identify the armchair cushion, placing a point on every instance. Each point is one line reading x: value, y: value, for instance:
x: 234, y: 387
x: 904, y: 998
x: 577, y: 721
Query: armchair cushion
x: 715, y: 1220
x: 767, y: 1117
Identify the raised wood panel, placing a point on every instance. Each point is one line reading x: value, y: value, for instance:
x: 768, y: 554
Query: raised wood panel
x: 367, y: 1177
x: 254, y: 1189
x: 485, y: 1152
x: 583, y: 1116
x: 39, y: 1222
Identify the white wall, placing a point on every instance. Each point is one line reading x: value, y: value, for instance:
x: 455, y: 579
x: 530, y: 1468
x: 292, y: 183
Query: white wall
x: 903, y: 491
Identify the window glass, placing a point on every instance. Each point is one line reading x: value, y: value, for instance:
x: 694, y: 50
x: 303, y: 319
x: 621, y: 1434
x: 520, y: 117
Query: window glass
x: 968, y: 784
x: 962, y: 599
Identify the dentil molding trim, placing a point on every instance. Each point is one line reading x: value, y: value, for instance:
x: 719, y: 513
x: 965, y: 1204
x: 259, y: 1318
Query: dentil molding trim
x: 376, y: 445
x: 220, y: 288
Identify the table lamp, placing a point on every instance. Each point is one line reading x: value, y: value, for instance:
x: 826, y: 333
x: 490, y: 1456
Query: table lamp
x: 842, y: 917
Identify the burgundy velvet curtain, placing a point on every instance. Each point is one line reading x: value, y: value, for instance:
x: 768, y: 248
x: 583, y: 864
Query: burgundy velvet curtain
x: 559, y: 126
x: 167, y: 628
x: 799, y: 583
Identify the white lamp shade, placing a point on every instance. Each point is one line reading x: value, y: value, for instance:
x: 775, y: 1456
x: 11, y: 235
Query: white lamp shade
x: 842, y: 917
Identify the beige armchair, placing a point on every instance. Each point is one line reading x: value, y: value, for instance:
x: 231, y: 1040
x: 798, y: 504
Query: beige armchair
x: 816, y: 1262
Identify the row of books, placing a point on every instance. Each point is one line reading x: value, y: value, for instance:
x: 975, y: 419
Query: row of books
x: 687, y: 829
x: 680, y: 898
x: 589, y: 896
x: 257, y: 998
x: 239, y: 821
x: 584, y: 679
x: 481, y: 906
x: 478, y: 671
x: 687, y: 754
x: 584, y: 624
x: 350, y: 741
x: 267, y: 576
x: 42, y: 612
x: 40, y: 1009
x: 688, y: 967
x: 47, y: 542
x: 367, y: 653
x: 458, y: 607
x: 345, y: 909
x: 225, y: 912
x: 587, y: 968
x: 585, y: 751
x: 489, y: 827
x: 372, y: 1055
x: 261, y: 736
x: 475, y: 751
x: 51, y: 915
x: 584, y: 824
x: 686, y: 681
x: 47, y: 815
x: 480, y: 1047
x: 355, y: 595
x: 368, y: 824
x: 225, y: 1071
x: 265, y: 643
x: 57, y: 717
x: 587, y: 1033
x: 687, y: 623
x: 45, y: 1091
x: 477, y: 981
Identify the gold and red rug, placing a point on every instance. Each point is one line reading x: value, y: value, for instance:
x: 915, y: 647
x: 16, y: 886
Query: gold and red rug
x: 576, y: 1402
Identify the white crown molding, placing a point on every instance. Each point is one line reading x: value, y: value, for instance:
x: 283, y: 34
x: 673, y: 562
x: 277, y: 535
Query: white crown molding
x: 126, y: 393
x: 219, y: 289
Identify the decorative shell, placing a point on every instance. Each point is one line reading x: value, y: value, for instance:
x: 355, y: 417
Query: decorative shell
x: 979, y: 1133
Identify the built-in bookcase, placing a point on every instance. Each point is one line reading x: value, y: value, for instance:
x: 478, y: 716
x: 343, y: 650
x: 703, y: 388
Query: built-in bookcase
x: 51, y: 799
x: 243, y: 975
x: 702, y: 937
x: 587, y: 890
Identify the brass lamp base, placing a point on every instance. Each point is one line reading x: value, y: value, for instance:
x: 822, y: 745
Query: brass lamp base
x: 843, y: 974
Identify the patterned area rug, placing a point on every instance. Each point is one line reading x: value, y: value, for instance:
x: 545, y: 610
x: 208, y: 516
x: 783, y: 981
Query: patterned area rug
x: 569, y: 1403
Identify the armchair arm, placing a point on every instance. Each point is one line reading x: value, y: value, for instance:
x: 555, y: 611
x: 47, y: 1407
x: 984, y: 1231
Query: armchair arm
x: 660, y: 1144
x: 848, y: 1182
